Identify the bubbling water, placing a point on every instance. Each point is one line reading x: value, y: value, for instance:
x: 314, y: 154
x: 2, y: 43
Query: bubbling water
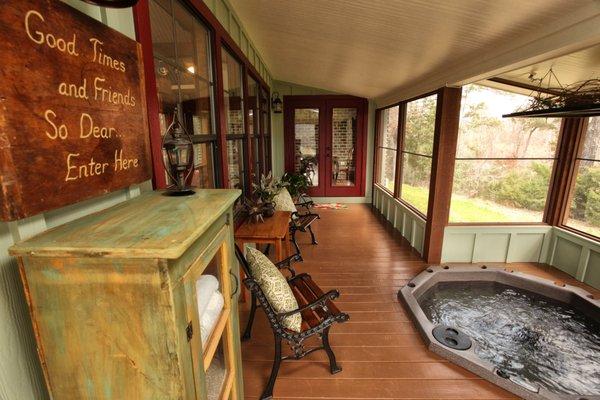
x: 533, y: 337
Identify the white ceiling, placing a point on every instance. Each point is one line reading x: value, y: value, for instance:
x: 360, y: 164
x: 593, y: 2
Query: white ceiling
x: 571, y: 68
x: 373, y: 48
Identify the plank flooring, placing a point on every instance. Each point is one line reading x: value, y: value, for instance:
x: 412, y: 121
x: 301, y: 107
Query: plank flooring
x: 379, y: 349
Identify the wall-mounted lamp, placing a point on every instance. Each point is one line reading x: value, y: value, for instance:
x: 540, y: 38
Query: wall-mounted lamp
x: 276, y: 103
x: 179, y: 147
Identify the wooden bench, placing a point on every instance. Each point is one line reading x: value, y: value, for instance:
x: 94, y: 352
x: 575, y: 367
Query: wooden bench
x: 302, y: 221
x: 316, y: 307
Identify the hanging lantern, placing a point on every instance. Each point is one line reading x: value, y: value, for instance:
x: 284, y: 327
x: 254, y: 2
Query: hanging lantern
x: 276, y: 103
x: 179, y: 149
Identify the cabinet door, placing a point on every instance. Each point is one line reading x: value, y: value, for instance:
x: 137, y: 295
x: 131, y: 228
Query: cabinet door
x: 209, y: 316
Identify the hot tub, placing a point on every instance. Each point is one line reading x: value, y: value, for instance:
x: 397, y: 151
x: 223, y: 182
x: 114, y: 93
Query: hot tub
x: 536, y: 338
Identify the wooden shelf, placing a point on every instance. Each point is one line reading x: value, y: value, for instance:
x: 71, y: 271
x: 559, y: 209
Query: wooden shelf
x: 215, y: 337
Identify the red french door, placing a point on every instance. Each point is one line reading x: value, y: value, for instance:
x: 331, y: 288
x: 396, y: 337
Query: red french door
x: 325, y: 139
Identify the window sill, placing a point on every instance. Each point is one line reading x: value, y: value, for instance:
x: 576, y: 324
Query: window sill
x: 386, y: 190
x: 412, y: 208
x: 579, y: 233
x: 498, y: 224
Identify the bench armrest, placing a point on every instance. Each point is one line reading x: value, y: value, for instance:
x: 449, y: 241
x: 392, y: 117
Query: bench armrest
x: 305, y: 204
x: 320, y: 302
x: 286, y: 263
x: 305, y: 201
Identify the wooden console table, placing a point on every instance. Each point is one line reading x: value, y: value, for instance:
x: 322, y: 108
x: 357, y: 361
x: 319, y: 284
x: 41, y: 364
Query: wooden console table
x: 274, y: 230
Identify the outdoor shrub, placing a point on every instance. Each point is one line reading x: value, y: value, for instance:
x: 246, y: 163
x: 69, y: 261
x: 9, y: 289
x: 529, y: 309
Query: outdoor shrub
x: 592, y: 210
x: 586, y: 199
x: 524, y: 188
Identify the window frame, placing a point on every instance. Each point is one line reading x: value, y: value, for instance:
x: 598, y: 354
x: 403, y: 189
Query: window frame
x: 244, y: 135
x: 265, y: 129
x: 179, y: 69
x: 402, y: 122
x: 551, y: 184
x: 256, y: 133
x: 578, y: 133
x: 219, y: 37
x: 378, y: 148
x: 400, y: 148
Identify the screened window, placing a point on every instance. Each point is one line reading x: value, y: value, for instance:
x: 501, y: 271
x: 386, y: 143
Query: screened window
x: 417, y: 152
x: 503, y: 165
x: 233, y: 96
x: 387, y: 147
x: 584, y: 210
x: 181, y: 48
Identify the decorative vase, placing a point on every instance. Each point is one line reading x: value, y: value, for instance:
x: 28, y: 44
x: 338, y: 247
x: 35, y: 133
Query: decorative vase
x: 268, y: 210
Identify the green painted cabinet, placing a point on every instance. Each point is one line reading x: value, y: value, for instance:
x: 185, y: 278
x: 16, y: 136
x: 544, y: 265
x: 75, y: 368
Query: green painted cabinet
x: 113, y: 300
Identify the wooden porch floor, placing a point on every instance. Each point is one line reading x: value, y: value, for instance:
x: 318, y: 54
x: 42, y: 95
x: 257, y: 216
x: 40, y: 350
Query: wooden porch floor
x: 379, y: 349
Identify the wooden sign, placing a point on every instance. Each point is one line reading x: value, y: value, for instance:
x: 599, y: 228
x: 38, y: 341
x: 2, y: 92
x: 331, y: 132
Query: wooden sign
x: 73, y: 121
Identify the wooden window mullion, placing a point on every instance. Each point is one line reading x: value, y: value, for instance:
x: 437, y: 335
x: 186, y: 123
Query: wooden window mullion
x: 220, y: 114
x: 399, y: 148
x: 565, y: 170
x: 377, y: 156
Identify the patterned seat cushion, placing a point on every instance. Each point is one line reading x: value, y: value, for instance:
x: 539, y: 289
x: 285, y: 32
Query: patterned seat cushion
x: 275, y: 287
x: 283, y: 201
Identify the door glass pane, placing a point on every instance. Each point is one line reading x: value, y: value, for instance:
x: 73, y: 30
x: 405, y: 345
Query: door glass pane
x: 306, y: 143
x: 343, y: 145
x: 212, y: 302
x: 217, y: 374
x: 235, y: 163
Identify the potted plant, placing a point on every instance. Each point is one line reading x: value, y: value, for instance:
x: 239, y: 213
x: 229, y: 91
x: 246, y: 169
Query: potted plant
x: 296, y: 183
x: 265, y: 191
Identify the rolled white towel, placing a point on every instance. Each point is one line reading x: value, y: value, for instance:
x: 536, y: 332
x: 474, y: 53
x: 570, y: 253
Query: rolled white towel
x: 206, y: 285
x: 209, y: 319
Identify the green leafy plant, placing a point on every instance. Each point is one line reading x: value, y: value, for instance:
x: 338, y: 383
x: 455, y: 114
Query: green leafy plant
x: 266, y: 189
x: 297, y: 184
x: 524, y: 188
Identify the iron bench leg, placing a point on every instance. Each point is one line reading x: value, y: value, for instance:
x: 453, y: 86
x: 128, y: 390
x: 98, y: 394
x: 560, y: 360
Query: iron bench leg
x: 296, y: 243
x: 268, y: 393
x: 248, y: 329
x: 333, y: 365
x: 312, y: 235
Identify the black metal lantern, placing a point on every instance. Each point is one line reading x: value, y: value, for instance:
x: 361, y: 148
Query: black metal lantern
x: 276, y: 103
x: 179, y: 149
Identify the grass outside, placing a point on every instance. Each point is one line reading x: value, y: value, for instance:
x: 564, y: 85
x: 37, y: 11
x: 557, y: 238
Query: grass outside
x: 466, y: 209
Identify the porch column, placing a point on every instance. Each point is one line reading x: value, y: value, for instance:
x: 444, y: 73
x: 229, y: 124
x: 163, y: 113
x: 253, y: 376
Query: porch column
x: 442, y: 171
